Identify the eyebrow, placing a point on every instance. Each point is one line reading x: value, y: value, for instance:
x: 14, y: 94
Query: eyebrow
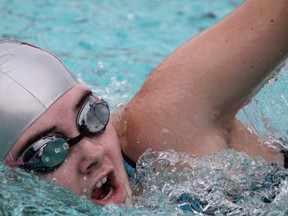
x: 81, y: 100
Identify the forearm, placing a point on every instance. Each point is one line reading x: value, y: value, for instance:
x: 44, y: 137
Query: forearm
x: 226, y: 64
x: 252, y: 48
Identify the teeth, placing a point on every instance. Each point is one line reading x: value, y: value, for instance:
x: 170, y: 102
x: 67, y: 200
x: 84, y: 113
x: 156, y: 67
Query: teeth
x: 101, y: 182
x: 104, y: 180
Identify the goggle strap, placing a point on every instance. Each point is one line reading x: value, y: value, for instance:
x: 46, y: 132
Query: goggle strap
x: 14, y: 163
x: 73, y: 141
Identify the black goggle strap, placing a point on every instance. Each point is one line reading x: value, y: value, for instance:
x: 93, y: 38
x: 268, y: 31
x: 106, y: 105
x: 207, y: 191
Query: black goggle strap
x: 73, y: 141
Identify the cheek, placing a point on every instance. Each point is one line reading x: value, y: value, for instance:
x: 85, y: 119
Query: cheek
x: 114, y: 144
x: 113, y: 148
x: 115, y: 154
x: 65, y: 177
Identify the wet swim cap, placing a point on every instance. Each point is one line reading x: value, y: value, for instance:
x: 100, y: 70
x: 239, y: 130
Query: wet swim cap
x: 31, y: 79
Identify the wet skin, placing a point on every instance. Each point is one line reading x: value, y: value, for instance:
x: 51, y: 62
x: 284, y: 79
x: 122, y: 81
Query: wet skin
x: 89, y: 162
x: 189, y: 102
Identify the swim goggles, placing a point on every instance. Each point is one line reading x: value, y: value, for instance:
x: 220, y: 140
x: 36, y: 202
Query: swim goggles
x: 49, y: 152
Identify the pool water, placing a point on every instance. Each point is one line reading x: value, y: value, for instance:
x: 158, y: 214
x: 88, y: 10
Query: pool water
x: 111, y: 46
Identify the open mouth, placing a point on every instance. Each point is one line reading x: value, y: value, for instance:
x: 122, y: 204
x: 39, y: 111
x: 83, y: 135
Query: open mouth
x: 107, y: 190
x: 102, y: 190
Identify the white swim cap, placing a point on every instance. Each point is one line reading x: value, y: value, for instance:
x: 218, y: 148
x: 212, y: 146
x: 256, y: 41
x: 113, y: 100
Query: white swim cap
x: 31, y: 79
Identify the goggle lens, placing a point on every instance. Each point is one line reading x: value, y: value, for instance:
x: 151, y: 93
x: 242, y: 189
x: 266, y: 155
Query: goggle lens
x: 94, y: 116
x: 55, y: 153
x: 51, y: 151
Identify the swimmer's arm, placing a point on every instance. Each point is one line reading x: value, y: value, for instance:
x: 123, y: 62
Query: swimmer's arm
x: 196, y: 92
x: 226, y: 64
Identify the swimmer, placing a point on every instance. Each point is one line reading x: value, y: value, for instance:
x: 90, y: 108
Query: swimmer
x: 55, y: 127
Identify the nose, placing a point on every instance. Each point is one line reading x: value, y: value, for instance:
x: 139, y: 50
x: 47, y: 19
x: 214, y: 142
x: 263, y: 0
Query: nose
x: 91, y: 155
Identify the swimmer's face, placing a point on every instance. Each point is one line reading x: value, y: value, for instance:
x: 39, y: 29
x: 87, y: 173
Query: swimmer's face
x: 90, y: 162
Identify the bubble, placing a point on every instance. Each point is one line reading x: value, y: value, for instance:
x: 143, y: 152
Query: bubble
x: 54, y: 180
x: 57, y: 150
x: 130, y: 16
x: 65, y: 146
x: 101, y: 64
x: 120, y: 105
x: 47, y: 159
x: 6, y: 195
x: 85, y: 178
x: 165, y: 130
x: 83, y: 197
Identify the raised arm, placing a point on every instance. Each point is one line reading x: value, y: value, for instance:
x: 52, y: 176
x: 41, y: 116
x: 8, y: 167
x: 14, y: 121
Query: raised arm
x: 190, y: 100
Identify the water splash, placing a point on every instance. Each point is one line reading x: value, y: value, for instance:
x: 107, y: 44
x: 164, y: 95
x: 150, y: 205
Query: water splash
x: 24, y: 194
x: 170, y: 183
x: 227, y: 183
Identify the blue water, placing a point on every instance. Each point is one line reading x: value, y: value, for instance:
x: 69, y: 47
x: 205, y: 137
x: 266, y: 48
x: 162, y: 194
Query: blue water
x: 111, y: 46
